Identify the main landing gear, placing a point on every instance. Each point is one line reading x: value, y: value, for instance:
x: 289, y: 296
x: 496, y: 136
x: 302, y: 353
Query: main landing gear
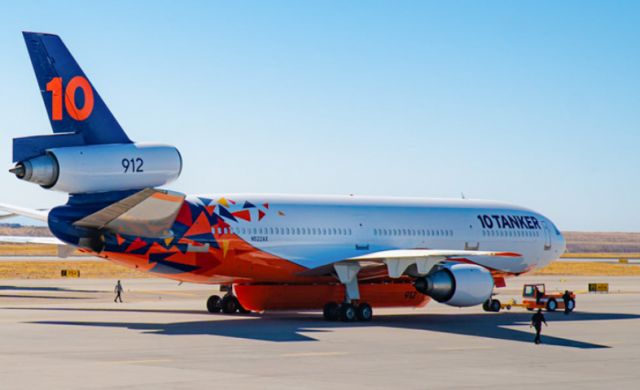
x: 349, y: 310
x: 228, y: 304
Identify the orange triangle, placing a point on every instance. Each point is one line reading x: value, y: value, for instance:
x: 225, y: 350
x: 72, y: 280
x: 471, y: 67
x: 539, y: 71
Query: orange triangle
x: 120, y: 239
x: 200, y: 226
x: 243, y: 214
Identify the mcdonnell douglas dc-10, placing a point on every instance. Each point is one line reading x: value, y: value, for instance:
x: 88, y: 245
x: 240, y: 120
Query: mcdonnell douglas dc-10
x: 342, y: 254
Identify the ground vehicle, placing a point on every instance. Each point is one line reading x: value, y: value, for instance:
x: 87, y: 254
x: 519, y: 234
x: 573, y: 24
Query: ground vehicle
x: 534, y: 297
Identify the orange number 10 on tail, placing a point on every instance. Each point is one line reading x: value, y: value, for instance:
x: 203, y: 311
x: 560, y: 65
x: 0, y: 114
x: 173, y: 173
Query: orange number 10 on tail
x: 55, y: 87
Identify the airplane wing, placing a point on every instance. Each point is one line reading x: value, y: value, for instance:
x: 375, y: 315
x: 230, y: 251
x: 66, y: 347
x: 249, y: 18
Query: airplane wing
x: 398, y: 261
x: 40, y: 215
x: 148, y: 213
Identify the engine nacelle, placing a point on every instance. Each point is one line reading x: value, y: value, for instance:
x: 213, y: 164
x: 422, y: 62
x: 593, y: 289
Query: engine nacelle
x: 457, y: 284
x: 101, y: 168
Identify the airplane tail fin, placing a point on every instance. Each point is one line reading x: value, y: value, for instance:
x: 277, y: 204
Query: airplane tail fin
x: 73, y: 105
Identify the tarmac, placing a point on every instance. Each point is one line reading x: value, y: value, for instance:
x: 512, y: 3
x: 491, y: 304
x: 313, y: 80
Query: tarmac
x: 69, y: 334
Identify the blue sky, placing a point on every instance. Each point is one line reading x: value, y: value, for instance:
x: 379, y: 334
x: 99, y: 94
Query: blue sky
x: 535, y: 103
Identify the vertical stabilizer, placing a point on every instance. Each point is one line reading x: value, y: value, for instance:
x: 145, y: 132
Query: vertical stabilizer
x: 73, y: 105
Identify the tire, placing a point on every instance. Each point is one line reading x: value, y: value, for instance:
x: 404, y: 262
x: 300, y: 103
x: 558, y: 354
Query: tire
x: 214, y: 304
x: 485, y: 305
x: 331, y: 311
x: 571, y: 305
x: 348, y: 313
x: 552, y: 305
x: 241, y: 308
x: 230, y: 304
x: 494, y: 305
x: 364, y: 312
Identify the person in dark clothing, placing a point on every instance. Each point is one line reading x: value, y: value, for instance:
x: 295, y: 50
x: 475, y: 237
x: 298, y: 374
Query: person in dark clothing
x: 566, y: 297
x: 118, y: 290
x: 536, y: 322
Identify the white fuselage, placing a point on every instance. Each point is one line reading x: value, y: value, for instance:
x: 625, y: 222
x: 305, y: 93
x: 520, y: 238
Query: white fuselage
x: 316, y: 230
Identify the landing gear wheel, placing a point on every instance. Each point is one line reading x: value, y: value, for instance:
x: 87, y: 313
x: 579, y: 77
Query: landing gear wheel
x: 552, y: 305
x: 214, y: 304
x: 229, y: 304
x: 348, y: 312
x: 364, y: 312
x: 331, y: 311
x: 571, y: 305
x: 494, y: 305
x: 485, y: 305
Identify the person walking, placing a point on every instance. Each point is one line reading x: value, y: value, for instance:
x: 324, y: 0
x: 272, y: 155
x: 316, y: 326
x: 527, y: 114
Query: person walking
x: 118, y: 290
x: 566, y: 297
x: 536, y: 322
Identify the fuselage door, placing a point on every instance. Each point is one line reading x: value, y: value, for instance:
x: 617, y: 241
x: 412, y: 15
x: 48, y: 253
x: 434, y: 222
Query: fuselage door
x: 361, y: 236
x: 547, y: 236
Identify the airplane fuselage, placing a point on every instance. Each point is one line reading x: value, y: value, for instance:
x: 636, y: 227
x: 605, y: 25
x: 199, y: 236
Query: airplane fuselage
x: 274, y: 238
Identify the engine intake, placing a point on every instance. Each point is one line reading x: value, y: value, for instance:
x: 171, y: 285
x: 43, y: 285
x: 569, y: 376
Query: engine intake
x: 457, y: 284
x: 101, y: 168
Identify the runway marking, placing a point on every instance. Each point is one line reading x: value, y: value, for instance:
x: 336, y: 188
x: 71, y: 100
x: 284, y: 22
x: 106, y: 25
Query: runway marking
x: 147, y: 361
x: 313, y: 354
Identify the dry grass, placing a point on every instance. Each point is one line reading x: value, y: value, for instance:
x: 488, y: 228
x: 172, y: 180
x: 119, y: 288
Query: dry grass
x: 605, y: 255
x: 32, y: 250
x: 51, y: 270
x: 589, y: 269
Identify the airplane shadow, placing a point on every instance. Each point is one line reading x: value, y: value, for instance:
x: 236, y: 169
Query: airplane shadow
x: 296, y: 327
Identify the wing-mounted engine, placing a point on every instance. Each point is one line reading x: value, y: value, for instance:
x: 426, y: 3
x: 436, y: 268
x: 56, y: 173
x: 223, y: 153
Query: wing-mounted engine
x: 457, y: 284
x: 102, y: 168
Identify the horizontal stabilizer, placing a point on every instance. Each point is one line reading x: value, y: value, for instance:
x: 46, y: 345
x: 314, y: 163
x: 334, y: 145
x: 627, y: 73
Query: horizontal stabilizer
x: 147, y: 213
x: 39, y: 215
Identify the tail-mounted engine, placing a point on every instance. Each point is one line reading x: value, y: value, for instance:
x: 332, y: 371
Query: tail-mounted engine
x: 457, y: 284
x: 102, y: 168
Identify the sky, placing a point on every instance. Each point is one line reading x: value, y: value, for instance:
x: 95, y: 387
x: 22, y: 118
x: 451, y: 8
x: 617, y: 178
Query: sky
x: 535, y: 103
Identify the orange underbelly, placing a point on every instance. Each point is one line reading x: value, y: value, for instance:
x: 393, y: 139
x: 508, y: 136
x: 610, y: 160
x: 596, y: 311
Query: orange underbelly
x: 299, y: 297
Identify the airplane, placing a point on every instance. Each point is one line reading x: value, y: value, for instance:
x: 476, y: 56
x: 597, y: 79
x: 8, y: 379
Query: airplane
x: 343, y: 255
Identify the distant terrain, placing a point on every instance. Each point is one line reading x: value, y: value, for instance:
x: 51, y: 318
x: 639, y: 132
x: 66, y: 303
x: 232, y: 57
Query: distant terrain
x: 599, y: 242
x: 577, y: 242
x: 10, y: 229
